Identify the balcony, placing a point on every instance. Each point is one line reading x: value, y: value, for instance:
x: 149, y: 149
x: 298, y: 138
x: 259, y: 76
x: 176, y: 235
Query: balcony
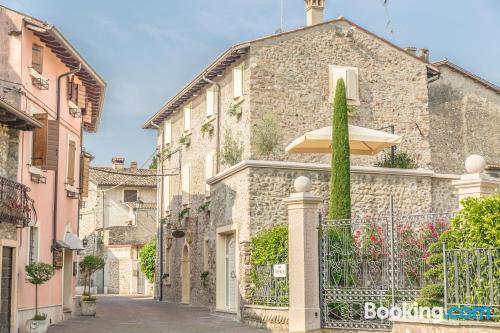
x: 16, y: 207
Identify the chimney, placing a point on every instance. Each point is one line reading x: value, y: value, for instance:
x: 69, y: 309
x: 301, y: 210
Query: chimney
x: 423, y: 54
x: 411, y: 50
x: 133, y: 165
x: 118, y: 163
x: 314, y: 11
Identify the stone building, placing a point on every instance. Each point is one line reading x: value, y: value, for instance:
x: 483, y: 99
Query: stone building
x: 116, y: 220
x: 219, y: 201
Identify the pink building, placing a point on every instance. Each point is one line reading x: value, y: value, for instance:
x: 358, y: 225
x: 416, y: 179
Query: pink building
x: 46, y: 78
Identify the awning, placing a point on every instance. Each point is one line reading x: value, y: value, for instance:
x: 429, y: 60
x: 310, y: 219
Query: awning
x: 14, y: 118
x: 362, y: 141
x: 74, y: 243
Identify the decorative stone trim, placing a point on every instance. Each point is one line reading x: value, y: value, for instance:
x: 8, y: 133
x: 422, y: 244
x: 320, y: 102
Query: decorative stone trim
x: 324, y: 167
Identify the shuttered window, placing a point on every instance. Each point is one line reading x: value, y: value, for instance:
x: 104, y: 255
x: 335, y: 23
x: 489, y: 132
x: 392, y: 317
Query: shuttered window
x: 70, y: 177
x: 167, y: 133
x: 84, y: 181
x: 87, y: 113
x: 45, y: 143
x: 210, y: 102
x: 238, y: 82
x: 209, y: 168
x: 187, y: 119
x: 37, y: 58
x: 350, y: 75
x: 186, y: 186
x: 166, y: 193
x: 82, y: 96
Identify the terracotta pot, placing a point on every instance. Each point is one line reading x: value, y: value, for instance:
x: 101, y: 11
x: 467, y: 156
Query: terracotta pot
x: 88, y: 308
x: 37, y: 326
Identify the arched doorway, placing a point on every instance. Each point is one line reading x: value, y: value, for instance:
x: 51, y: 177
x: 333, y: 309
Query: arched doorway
x: 186, y: 275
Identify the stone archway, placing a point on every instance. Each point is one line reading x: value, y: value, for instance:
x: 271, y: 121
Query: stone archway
x: 186, y: 275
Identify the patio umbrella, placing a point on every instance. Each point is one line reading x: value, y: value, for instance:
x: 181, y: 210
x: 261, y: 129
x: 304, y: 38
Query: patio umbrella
x: 362, y: 141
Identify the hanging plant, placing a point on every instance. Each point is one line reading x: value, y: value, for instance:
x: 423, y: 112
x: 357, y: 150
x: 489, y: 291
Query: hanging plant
x: 182, y: 214
x: 185, y: 140
x: 207, y: 127
x: 204, y: 208
x: 235, y: 109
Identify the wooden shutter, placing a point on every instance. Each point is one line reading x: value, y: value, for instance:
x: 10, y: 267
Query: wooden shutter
x: 52, y: 145
x: 336, y: 73
x: 37, y: 58
x: 167, y: 133
x: 210, y: 102
x: 40, y: 135
x: 187, y: 119
x: 238, y: 82
x: 82, y: 96
x: 87, y: 113
x: 352, y: 84
x: 84, y: 181
x: 69, y: 88
x: 70, y: 177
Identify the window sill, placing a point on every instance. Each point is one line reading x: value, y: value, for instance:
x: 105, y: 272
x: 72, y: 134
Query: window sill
x: 38, y: 80
x: 70, y: 188
x: 187, y: 133
x: 72, y: 105
x: 35, y: 171
x: 210, y: 119
x: 238, y: 100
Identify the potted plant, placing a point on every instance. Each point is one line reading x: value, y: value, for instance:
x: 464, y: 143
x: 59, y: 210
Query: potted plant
x: 235, y: 109
x: 38, y: 273
x: 207, y: 127
x: 185, y: 140
x: 88, y: 266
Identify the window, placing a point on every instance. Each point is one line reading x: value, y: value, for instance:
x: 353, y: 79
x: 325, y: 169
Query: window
x: 84, y: 181
x: 209, y: 168
x: 351, y: 80
x: 130, y: 195
x: 166, y: 193
x: 70, y: 176
x: 33, y: 244
x: 167, y: 133
x: 37, y: 58
x: 45, y: 143
x: 77, y: 93
x: 238, y: 82
x: 210, y: 102
x: 186, y: 186
x: 187, y: 119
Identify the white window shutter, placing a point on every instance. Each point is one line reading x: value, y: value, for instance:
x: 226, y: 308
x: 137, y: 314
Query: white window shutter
x: 352, y: 84
x: 238, y: 82
x: 167, y: 133
x: 187, y: 119
x: 166, y: 193
x: 159, y: 139
x: 336, y: 73
x: 210, y: 102
x: 209, y: 167
x: 186, y: 172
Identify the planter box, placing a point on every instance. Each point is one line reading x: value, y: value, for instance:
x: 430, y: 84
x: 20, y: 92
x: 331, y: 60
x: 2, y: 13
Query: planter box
x: 88, y: 307
x: 37, y: 326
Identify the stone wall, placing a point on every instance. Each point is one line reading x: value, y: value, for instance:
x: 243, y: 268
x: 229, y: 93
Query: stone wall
x: 464, y: 120
x: 9, y: 147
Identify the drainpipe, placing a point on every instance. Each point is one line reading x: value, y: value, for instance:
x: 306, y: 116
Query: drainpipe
x: 80, y: 174
x: 160, y: 216
x: 217, y: 152
x: 56, y: 176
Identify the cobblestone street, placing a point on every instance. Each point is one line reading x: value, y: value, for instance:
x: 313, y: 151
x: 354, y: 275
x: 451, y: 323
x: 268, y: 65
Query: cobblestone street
x: 117, y: 314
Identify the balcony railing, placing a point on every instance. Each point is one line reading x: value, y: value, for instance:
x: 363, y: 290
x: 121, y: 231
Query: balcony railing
x: 16, y: 206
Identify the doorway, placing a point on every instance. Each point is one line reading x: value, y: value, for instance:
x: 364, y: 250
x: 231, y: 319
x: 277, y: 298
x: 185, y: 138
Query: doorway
x: 7, y: 286
x: 140, y: 279
x: 186, y: 275
x: 230, y: 273
x: 68, y: 281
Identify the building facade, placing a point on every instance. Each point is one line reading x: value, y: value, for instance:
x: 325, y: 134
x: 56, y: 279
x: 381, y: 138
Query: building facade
x: 117, y: 218
x: 226, y: 190
x: 45, y: 77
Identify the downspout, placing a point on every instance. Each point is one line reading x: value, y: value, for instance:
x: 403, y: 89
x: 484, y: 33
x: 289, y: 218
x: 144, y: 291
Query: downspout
x: 217, y: 149
x: 160, y: 216
x: 80, y: 178
x: 56, y: 175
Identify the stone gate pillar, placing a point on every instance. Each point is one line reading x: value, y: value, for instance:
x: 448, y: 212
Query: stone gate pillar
x: 303, y: 213
x: 476, y: 183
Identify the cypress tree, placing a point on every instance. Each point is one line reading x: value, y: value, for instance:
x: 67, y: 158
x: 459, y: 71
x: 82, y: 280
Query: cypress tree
x: 340, y: 180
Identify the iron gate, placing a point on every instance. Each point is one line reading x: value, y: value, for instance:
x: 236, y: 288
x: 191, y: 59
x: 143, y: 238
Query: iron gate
x: 373, y: 260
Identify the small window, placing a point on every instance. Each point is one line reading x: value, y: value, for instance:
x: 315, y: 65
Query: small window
x: 238, y: 82
x: 210, y: 102
x: 130, y: 195
x: 70, y: 178
x: 37, y: 58
x: 33, y: 241
x: 209, y: 167
x: 186, y: 186
x: 187, y: 119
x: 350, y: 75
x: 167, y: 133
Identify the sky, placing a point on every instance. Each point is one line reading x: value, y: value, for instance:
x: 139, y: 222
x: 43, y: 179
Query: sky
x: 148, y: 50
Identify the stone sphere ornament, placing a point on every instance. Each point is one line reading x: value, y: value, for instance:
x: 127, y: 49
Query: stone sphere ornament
x: 302, y: 184
x: 475, y: 164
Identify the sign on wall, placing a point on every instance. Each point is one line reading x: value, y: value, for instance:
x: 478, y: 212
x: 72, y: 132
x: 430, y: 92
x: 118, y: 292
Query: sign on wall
x: 279, y: 271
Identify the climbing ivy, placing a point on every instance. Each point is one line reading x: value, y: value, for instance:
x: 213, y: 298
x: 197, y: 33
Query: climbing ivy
x: 147, y: 260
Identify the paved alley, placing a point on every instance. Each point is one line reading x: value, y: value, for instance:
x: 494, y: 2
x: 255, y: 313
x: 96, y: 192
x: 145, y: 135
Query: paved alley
x: 117, y: 314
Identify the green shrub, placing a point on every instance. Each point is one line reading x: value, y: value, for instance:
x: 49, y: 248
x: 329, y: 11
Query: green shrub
x: 401, y: 161
x: 88, y: 266
x: 232, y: 150
x: 38, y: 273
x: 147, y: 260
x: 270, y: 247
x: 268, y: 134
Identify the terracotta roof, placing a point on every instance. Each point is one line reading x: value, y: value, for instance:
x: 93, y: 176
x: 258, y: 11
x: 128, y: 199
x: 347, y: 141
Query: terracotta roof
x: 95, y: 86
x: 126, y: 177
x: 236, y: 52
x: 456, y: 68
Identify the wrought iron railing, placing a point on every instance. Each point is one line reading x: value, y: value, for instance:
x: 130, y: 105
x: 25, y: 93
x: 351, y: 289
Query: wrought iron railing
x: 16, y: 206
x: 269, y: 290
x: 472, y: 279
x: 378, y: 260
